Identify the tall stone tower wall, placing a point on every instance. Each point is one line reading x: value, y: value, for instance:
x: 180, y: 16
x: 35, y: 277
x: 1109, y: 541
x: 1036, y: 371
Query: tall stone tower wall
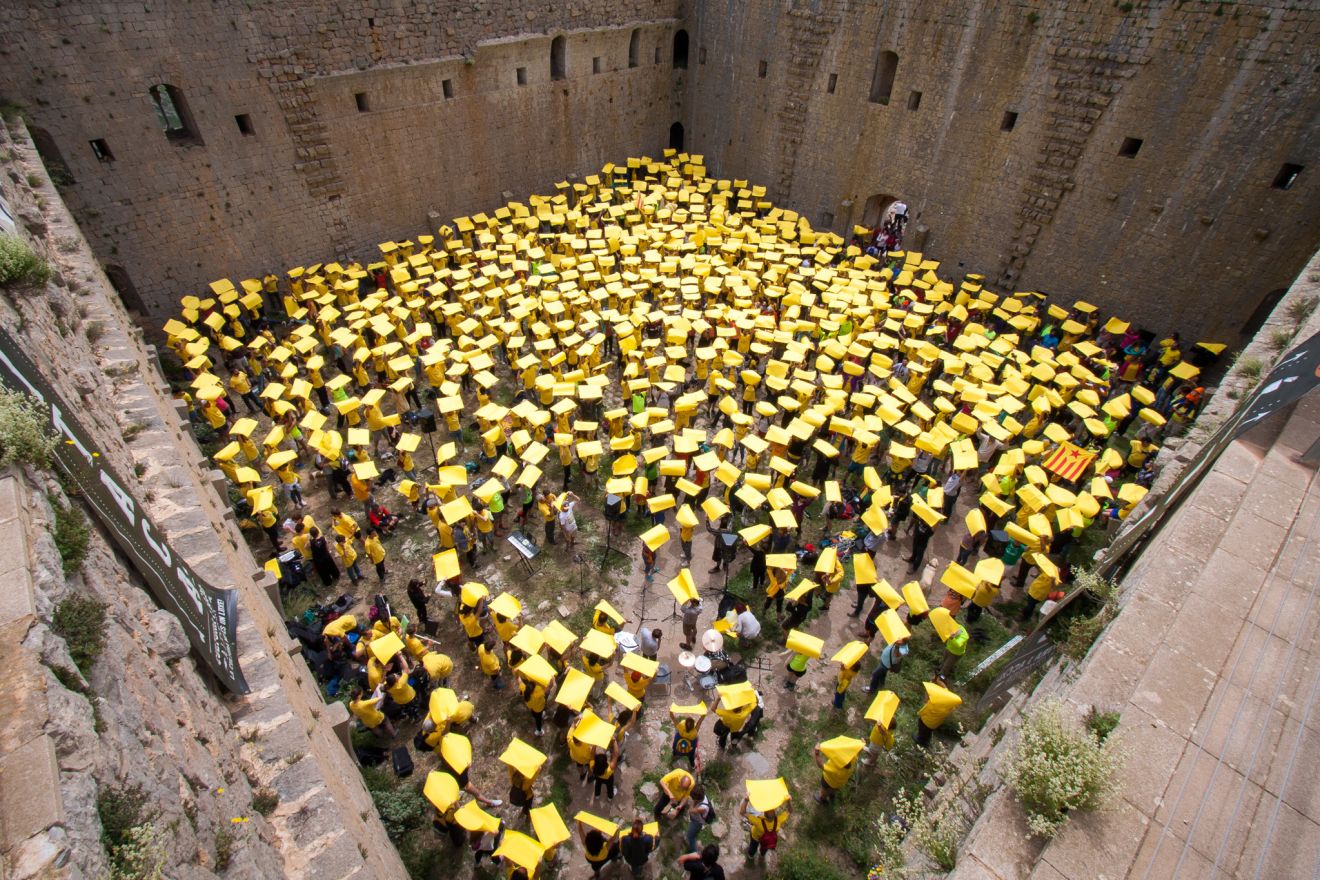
x: 365, y: 117
x: 1132, y: 153
x: 1190, y: 232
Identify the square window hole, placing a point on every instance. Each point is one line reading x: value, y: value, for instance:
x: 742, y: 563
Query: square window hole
x: 914, y: 100
x: 244, y: 123
x: 595, y: 64
x: 522, y: 76
x: 101, y: 150
x: 363, y: 104
x: 1130, y: 147
x: 1009, y: 122
x: 1286, y: 177
x: 447, y: 88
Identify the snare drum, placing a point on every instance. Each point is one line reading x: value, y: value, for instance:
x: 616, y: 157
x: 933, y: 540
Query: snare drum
x: 702, y: 664
x: 708, y: 682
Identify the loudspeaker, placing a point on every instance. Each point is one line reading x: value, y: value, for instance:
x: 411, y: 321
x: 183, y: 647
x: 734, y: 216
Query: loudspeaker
x: 426, y: 418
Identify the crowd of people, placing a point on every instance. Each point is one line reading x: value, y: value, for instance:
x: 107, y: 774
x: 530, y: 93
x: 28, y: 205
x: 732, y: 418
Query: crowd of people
x: 703, y: 360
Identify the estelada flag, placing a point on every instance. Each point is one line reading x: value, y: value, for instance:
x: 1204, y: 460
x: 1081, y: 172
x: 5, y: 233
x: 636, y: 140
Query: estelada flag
x: 1068, y: 462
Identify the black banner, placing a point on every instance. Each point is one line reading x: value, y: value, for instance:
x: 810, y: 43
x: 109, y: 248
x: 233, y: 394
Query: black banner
x: 208, y: 615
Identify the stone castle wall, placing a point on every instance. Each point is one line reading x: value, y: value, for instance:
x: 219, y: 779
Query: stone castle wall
x: 319, y: 177
x: 1189, y: 233
x: 197, y: 754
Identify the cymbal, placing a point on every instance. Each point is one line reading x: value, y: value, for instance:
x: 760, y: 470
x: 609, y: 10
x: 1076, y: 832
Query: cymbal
x: 687, y: 659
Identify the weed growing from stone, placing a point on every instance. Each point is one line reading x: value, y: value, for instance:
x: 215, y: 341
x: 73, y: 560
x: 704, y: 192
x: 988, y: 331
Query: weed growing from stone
x: 20, y: 264
x: 24, y: 436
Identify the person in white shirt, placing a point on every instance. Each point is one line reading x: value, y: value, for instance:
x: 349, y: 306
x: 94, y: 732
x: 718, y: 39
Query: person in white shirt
x: 747, y: 626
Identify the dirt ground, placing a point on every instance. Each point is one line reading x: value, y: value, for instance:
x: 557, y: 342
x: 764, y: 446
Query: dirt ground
x: 565, y: 585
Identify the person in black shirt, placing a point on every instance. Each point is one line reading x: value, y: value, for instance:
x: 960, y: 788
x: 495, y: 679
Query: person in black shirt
x: 636, y: 847
x: 703, y: 865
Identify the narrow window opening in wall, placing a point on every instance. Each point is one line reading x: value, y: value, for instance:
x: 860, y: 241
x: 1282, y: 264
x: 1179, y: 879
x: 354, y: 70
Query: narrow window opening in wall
x: 558, y: 58
x: 680, y: 50
x: 914, y: 100
x: 833, y: 83
x: 882, y: 81
x: 363, y: 105
x: 761, y: 69
x: 1130, y: 147
x: 521, y: 75
x: 172, y: 113
x: 1287, y: 176
x: 371, y: 22
x: 826, y: 219
x: 595, y: 64
x: 634, y: 48
x: 447, y: 88
x: 244, y: 123
x: 657, y: 54
x: 51, y: 156
x: 701, y: 55
x: 101, y: 150
x: 1009, y: 122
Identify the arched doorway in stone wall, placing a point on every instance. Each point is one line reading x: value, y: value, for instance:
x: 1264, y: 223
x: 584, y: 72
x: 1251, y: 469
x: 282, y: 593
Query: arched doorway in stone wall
x: 123, y: 285
x: 676, y: 136
x: 876, y: 209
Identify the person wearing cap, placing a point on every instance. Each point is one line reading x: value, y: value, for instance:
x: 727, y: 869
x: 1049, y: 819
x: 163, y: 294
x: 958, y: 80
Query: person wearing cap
x: 675, y: 794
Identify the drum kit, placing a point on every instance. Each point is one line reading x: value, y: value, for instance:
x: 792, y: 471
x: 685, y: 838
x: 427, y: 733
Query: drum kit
x: 698, y: 666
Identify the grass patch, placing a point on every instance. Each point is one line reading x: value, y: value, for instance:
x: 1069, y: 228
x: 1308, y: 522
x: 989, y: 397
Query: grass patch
x: 71, y: 535
x: 1301, y: 308
x: 80, y: 621
x: 265, y: 800
x: 1248, y: 367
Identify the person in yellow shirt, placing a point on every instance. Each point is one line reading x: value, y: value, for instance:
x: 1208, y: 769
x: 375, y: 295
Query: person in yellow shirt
x: 348, y: 555
x: 846, y: 675
x: 242, y: 386
x: 765, y: 827
x: 361, y: 491
x: 833, y: 775
x: 490, y: 664
x: 302, y: 541
x: 545, y: 505
x: 343, y: 524
x: 367, y: 709
x: 833, y: 582
x: 675, y: 794
x: 470, y: 620
x: 534, y: 697
x: 375, y: 552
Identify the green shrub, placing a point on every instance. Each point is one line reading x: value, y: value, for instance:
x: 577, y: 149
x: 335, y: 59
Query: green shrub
x: 24, y: 430
x: 80, y: 621
x: 71, y: 535
x: 716, y: 774
x: 141, y: 856
x: 803, y: 863
x: 1057, y: 768
x: 401, y: 805
x: 265, y: 800
x: 224, y: 849
x: 1101, y: 724
x: 1279, y: 340
x: 19, y: 264
x: 120, y: 808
